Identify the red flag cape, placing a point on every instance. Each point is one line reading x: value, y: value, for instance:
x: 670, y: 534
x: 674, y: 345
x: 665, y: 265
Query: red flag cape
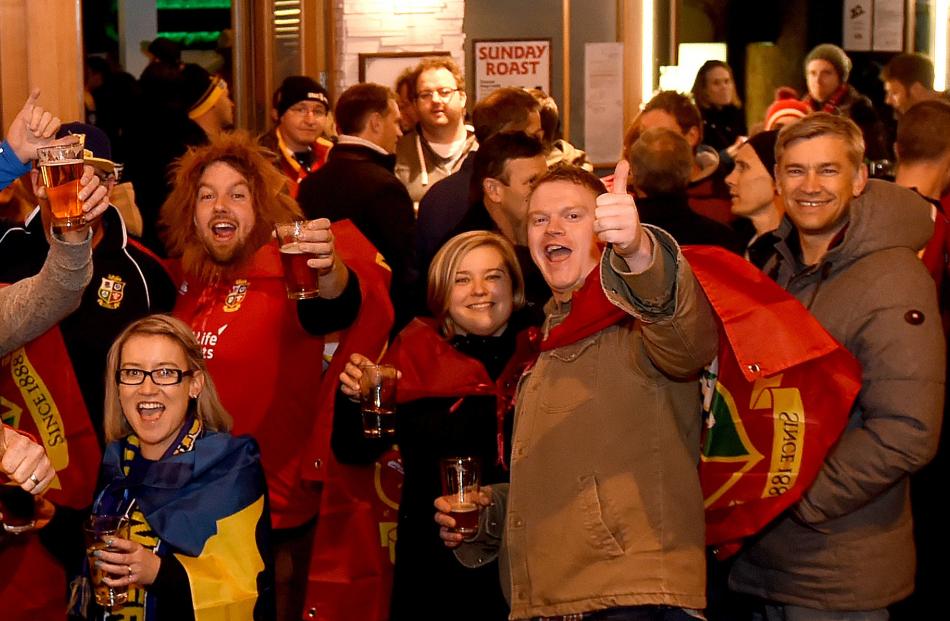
x: 354, y: 546
x: 783, y: 396
x: 431, y: 367
x: 39, y: 395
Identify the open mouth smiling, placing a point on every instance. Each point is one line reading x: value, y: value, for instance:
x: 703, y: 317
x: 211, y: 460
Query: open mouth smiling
x: 556, y: 252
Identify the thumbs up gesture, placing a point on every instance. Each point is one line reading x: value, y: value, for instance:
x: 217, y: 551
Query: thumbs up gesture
x: 617, y: 222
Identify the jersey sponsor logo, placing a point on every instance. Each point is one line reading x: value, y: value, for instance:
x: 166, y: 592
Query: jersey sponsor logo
x: 111, y: 292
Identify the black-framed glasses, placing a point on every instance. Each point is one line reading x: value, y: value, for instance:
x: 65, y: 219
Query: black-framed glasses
x: 160, y: 377
x: 443, y: 93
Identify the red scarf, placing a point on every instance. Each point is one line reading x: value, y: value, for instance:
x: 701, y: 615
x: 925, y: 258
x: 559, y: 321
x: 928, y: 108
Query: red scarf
x: 431, y: 367
x: 831, y: 104
x: 590, y: 313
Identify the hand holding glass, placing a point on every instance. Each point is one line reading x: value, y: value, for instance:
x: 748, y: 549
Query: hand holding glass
x: 460, y: 480
x: 378, y: 399
x: 99, y: 529
x: 299, y: 278
x: 61, y: 167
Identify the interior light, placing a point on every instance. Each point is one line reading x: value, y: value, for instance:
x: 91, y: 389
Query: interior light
x: 939, y: 51
x: 646, y: 66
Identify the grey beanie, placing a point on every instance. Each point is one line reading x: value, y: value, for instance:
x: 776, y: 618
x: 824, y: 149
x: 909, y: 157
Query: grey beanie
x: 834, y: 55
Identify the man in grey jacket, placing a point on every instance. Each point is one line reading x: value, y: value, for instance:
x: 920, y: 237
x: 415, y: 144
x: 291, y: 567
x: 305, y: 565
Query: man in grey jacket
x: 847, y: 250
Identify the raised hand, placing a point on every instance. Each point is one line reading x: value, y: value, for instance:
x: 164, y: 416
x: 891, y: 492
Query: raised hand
x: 316, y: 238
x: 24, y: 461
x: 32, y: 127
x: 617, y: 222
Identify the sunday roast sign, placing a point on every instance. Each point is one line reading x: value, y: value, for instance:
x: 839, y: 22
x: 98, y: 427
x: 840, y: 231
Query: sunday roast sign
x: 521, y: 63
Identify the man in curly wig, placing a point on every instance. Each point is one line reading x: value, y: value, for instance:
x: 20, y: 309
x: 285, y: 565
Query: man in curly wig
x: 264, y: 351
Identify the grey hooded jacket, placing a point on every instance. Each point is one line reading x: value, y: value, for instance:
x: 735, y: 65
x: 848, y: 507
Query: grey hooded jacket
x: 848, y: 544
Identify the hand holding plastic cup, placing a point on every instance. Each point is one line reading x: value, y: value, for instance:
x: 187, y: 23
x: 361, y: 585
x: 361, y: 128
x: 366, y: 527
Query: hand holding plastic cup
x: 61, y: 167
x: 98, y: 530
x: 299, y: 278
x: 460, y: 482
x: 378, y: 399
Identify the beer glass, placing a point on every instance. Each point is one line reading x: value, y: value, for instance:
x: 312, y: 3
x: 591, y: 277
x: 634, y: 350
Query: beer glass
x: 378, y: 400
x: 460, y: 479
x: 299, y: 278
x: 97, y: 530
x: 61, y: 168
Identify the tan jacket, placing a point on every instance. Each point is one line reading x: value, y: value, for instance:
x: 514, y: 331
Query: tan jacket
x: 604, y: 508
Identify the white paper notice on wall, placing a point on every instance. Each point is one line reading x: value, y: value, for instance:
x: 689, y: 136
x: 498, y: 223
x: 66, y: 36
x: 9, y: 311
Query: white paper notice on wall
x: 888, y: 25
x: 603, y: 102
x: 521, y: 63
x: 858, y: 25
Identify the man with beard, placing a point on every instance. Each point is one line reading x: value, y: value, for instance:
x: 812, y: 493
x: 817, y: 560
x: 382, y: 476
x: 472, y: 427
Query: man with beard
x: 263, y: 350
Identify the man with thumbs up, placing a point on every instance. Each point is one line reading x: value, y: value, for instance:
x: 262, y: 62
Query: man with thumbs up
x: 604, y: 514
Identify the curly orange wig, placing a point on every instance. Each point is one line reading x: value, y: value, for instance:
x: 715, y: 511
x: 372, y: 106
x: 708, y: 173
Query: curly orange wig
x: 269, y: 197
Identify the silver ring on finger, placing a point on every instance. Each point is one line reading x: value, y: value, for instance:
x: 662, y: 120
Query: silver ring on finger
x: 35, y: 480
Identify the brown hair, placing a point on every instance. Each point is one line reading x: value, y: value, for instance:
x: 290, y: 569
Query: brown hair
x: 922, y: 132
x: 908, y: 69
x: 700, y: 87
x: 358, y: 102
x: 822, y: 124
x: 446, y: 264
x: 437, y: 62
x: 502, y: 110
x: 661, y: 162
x: 269, y: 198
x: 206, y: 406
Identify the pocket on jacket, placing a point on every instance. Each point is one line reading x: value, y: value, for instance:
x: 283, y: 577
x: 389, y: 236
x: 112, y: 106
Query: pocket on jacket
x: 596, y: 531
x: 570, y: 376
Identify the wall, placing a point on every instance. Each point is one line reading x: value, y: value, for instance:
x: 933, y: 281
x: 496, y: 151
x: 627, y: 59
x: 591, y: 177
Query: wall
x: 374, y: 26
x: 592, y: 21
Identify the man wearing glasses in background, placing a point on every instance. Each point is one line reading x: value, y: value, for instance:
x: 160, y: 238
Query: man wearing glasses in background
x: 298, y: 142
x: 440, y: 140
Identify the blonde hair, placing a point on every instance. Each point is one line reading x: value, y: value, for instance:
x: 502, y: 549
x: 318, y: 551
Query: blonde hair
x: 206, y: 406
x: 447, y: 261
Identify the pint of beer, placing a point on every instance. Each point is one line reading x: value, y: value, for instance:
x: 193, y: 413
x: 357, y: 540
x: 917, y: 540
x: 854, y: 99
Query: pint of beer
x: 61, y: 167
x: 299, y: 278
x: 460, y: 482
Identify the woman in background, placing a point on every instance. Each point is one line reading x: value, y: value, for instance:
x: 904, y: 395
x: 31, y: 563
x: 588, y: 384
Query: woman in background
x: 714, y: 92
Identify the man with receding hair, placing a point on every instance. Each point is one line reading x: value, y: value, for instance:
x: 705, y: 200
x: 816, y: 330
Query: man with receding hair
x: 848, y: 251
x: 660, y: 164
x: 357, y: 182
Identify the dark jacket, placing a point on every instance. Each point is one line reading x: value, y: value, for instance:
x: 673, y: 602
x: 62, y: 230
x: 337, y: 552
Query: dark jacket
x: 428, y: 430
x: 671, y: 212
x: 848, y: 544
x: 127, y: 284
x: 723, y: 126
x: 441, y: 210
x: 357, y: 183
x: 859, y: 109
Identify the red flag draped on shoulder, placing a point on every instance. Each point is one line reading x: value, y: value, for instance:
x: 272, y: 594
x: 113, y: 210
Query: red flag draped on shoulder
x: 39, y: 395
x: 351, y: 564
x: 431, y: 367
x: 783, y: 396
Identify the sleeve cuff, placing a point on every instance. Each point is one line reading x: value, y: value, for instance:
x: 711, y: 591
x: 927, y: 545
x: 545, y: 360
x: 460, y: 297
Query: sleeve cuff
x: 10, y: 161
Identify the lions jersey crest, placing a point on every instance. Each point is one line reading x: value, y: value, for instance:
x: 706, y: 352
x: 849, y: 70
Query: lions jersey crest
x: 232, y: 303
x: 111, y: 291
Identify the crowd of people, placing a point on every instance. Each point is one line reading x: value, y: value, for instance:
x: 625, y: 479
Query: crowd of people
x: 573, y: 333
